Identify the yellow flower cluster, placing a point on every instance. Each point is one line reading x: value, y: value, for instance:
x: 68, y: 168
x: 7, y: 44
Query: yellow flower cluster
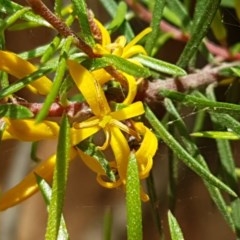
x: 117, y: 125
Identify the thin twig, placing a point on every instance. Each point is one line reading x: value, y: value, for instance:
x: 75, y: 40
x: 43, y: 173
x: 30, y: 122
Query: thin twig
x: 41, y: 9
x: 149, y: 90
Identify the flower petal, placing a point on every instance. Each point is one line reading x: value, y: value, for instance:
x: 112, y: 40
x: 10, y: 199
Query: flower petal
x: 101, y: 75
x: 19, y: 68
x: 136, y: 49
x: 138, y: 38
x: 132, y: 110
x: 89, y: 87
x: 28, y: 186
x: 78, y: 135
x: 132, y: 89
x: 105, y: 35
x: 146, y: 151
x: 121, y: 152
x: 107, y: 184
x: 28, y: 130
x: 91, y: 162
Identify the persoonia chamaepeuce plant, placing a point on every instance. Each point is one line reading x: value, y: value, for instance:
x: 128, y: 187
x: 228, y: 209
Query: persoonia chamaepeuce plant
x: 108, y: 98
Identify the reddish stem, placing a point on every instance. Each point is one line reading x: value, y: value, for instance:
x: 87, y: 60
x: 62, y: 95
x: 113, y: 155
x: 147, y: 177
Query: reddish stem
x: 57, y: 110
x: 41, y: 9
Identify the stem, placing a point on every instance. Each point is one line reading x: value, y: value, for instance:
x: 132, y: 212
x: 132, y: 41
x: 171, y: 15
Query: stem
x: 74, y: 109
x: 41, y: 9
x: 149, y: 91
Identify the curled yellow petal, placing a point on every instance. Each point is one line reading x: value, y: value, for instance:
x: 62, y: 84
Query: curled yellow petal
x: 143, y: 195
x: 130, y: 111
x: 137, y: 49
x: 105, y: 35
x: 107, y: 184
x: 91, y: 162
x: 99, y: 49
x: 78, y: 135
x: 89, y: 87
x: 132, y: 89
x: 138, y: 38
x: 19, y: 68
x: 28, y: 186
x: 121, y: 152
x: 28, y: 130
x: 146, y: 150
x: 101, y: 75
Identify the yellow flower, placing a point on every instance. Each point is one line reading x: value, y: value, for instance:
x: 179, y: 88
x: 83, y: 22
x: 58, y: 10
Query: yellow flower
x: 119, y: 47
x: 144, y: 155
x: 122, y: 49
x: 112, y: 125
x: 20, y: 68
x: 103, y: 117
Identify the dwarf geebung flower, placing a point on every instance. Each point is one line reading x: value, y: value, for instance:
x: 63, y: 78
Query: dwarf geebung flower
x: 122, y: 49
x: 111, y: 122
x: 112, y: 125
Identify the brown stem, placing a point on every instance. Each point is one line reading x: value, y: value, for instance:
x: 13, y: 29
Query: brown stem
x: 149, y: 91
x: 74, y: 109
x: 41, y: 9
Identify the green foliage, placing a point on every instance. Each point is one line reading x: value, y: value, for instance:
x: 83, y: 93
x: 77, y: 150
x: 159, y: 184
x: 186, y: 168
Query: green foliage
x: 59, y: 182
x: 200, y: 76
x: 133, y: 201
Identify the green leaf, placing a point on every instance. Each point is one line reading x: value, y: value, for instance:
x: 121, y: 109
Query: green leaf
x: 204, y: 13
x: 156, y: 18
x: 171, y: 17
x: 180, y: 11
x: 199, y: 102
x: 111, y: 7
x: 36, y: 52
x: 217, y: 135
x: 133, y: 201
x: 192, y: 148
x: 126, y: 66
x: 13, y: 18
x: 89, y: 148
x: 218, y: 28
x: 237, y: 7
x: 228, y: 3
x: 51, y: 49
x: 175, y: 230
x: 60, y: 177
x: 82, y: 14
x: 47, y: 193
x: 9, y: 7
x: 160, y: 66
x: 236, y: 70
x: 59, y: 75
x: 58, y: 5
x: 16, y: 86
x: 15, y: 111
x: 183, y: 155
x: 235, y: 211
x: 108, y: 222
x: 119, y: 17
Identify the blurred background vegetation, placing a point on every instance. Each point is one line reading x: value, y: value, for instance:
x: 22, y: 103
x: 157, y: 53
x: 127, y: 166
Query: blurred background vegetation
x: 200, y: 214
